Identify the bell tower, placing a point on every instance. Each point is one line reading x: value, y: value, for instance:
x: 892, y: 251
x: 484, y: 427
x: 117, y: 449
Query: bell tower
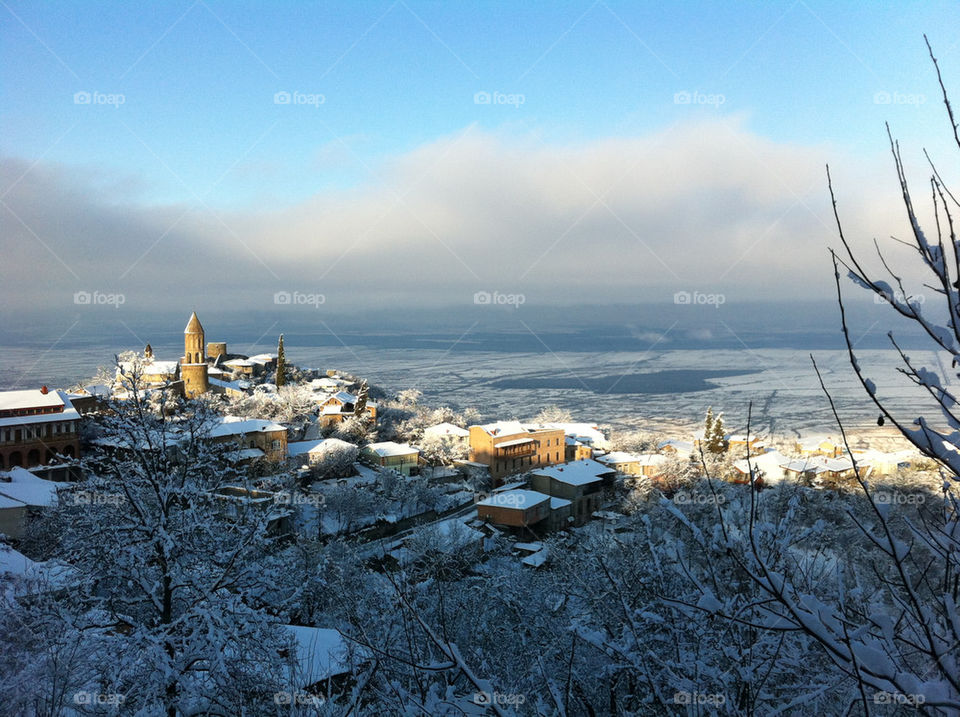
x: 193, y: 364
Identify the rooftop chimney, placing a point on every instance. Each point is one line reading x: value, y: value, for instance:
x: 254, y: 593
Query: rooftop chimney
x: 43, y: 390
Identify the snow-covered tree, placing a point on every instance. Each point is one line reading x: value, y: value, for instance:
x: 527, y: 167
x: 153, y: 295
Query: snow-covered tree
x: 281, y: 364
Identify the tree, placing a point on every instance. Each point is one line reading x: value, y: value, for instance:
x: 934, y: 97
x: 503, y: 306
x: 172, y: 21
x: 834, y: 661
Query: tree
x: 281, y: 364
x: 165, y: 584
x: 716, y: 440
x: 360, y: 407
x: 553, y: 414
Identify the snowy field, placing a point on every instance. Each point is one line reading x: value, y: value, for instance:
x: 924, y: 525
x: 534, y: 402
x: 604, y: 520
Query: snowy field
x: 781, y: 383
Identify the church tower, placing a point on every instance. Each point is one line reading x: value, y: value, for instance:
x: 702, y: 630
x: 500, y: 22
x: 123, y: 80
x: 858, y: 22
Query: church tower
x: 193, y: 365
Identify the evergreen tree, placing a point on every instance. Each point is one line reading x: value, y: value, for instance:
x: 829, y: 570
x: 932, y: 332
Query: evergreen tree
x: 708, y: 426
x: 716, y: 439
x: 360, y: 407
x: 281, y: 364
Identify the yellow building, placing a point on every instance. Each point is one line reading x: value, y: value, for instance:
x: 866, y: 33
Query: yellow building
x: 509, y: 447
x: 193, y: 365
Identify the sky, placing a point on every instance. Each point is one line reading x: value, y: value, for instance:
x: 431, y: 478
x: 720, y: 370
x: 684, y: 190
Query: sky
x: 385, y: 155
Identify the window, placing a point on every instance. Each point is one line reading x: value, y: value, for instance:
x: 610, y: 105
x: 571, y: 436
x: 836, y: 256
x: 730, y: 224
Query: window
x: 275, y: 445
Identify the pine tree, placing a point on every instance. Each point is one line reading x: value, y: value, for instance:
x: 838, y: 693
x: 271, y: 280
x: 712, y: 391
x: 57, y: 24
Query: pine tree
x: 360, y: 407
x: 716, y: 439
x: 281, y: 364
x: 708, y: 427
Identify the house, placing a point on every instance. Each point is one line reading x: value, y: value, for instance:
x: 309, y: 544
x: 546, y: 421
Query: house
x: 393, y: 456
x: 323, y: 656
x: 819, y: 467
x: 329, y: 384
x: 642, y: 464
x: 152, y: 372
x: 312, y: 451
x: 684, y: 449
x: 509, y: 447
x: 232, y: 389
x: 818, y: 446
x: 264, y: 362
x: 515, y: 508
x: 242, y: 367
x: 580, y: 482
x: 269, y: 437
x: 574, y: 450
x: 884, y: 463
x: 587, y: 434
x: 448, y: 430
x: 237, y: 500
x: 22, y: 494
x: 341, y: 406
x: 37, y: 427
x: 740, y: 443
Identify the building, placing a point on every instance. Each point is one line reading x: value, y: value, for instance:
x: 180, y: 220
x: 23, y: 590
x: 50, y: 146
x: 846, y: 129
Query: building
x: 448, y: 430
x: 820, y: 467
x: 580, y: 482
x: 37, y: 427
x: 193, y: 365
x: 22, y: 494
x: 341, y: 406
x: 392, y: 456
x: 515, y: 508
x: 509, y: 447
x: 269, y: 437
x: 642, y: 464
x: 817, y: 446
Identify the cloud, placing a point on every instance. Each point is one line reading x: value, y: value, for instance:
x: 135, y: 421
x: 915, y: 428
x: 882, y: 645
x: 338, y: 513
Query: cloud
x: 708, y: 206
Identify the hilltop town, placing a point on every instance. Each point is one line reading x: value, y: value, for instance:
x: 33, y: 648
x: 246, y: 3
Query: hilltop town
x: 322, y: 457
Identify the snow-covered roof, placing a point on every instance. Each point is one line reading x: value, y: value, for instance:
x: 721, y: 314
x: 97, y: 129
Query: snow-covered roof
x: 263, y: 358
x: 235, y: 385
x: 13, y: 562
x: 557, y: 503
x: 243, y: 454
x: 677, y: 445
x: 69, y: 413
x: 99, y: 389
x: 235, y: 427
x: 643, y: 459
x: 537, y: 559
x: 517, y: 498
x: 29, y: 398
x: 817, y: 464
x: 321, y: 653
x: 588, y: 433
x: 161, y: 368
x: 504, y: 428
x: 238, y: 362
x: 446, y: 429
x: 580, y: 472
x: 390, y: 448
x: 27, y: 488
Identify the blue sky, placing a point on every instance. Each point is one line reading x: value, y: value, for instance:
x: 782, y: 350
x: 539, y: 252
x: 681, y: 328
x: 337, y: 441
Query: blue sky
x: 796, y: 82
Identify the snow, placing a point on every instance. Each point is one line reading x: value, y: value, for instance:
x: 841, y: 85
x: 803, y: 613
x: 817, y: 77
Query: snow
x: 231, y: 426
x: 519, y: 499
x: 13, y: 562
x: 29, y: 398
x: 537, y: 559
x: 515, y: 442
x: 581, y: 472
x: 25, y: 487
x: 389, y: 448
x: 446, y: 429
x: 321, y: 653
x: 504, y: 428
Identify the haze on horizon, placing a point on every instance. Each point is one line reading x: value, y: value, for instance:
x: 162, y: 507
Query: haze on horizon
x: 413, y: 154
